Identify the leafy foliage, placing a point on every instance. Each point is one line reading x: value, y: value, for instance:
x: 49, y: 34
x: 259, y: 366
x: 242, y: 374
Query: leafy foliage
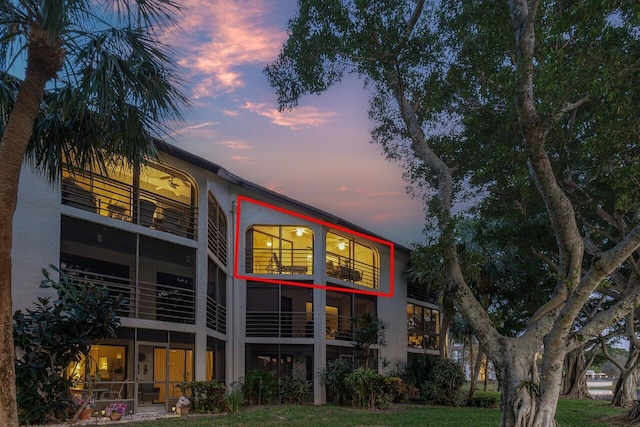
x: 294, y: 388
x: 54, y: 334
x: 260, y: 387
x: 367, y: 388
x: 368, y: 331
x: 445, y: 383
x: 207, y: 397
x: 235, y: 397
x: 483, y: 401
x: 333, y: 378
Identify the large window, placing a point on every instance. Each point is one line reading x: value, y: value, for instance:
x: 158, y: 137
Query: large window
x: 157, y: 284
x: 153, y: 196
x: 107, y: 368
x: 351, y: 261
x: 341, y: 308
x: 279, y: 249
x: 216, y: 298
x: 423, y: 327
x: 280, y: 359
x: 279, y: 311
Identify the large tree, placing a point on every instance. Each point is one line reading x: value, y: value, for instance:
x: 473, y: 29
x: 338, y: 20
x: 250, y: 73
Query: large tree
x: 98, y: 85
x: 532, y: 105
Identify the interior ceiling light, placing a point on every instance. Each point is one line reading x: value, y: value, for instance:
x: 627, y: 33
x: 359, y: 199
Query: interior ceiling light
x: 342, y: 245
x: 299, y: 231
x: 269, y: 244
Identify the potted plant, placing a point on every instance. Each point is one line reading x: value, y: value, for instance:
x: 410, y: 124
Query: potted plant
x: 183, y: 406
x: 83, y: 405
x: 115, y: 410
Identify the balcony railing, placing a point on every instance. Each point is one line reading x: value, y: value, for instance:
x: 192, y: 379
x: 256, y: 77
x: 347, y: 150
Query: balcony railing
x: 217, y: 241
x: 351, y: 270
x: 146, y: 300
x: 279, y: 325
x: 114, y: 199
x: 339, y: 327
x: 216, y: 316
x: 284, y: 261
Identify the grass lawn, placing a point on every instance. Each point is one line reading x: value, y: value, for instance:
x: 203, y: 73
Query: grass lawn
x: 571, y: 413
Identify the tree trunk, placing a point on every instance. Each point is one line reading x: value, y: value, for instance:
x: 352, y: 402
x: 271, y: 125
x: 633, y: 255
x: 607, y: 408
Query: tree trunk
x: 517, y: 406
x: 624, y: 394
x: 575, y: 378
x: 475, y: 372
x: 42, y: 65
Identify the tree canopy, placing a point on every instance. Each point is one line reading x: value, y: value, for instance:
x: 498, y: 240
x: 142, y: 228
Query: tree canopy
x: 526, y: 110
x: 98, y: 85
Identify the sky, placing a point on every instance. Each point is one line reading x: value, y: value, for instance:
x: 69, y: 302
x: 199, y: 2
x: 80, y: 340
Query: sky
x: 318, y: 154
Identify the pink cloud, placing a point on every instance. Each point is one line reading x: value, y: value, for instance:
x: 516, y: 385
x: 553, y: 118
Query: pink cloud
x: 237, y: 145
x: 200, y: 129
x: 242, y: 159
x: 299, y: 118
x: 230, y: 113
x: 217, y: 37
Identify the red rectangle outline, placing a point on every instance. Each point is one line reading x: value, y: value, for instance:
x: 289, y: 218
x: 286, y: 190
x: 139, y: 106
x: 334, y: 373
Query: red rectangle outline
x: 316, y: 221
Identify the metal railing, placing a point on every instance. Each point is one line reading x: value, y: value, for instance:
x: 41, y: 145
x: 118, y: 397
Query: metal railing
x: 216, y: 316
x: 279, y: 325
x: 217, y: 241
x: 351, y: 270
x: 279, y: 261
x: 339, y: 327
x: 114, y: 199
x: 146, y: 300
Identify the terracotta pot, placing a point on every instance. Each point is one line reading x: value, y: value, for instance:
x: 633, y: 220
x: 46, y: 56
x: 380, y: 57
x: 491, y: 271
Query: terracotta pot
x: 85, y: 414
x: 184, y: 411
x: 115, y: 416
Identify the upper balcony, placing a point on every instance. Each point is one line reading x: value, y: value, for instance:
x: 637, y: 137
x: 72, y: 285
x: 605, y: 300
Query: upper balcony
x: 162, y: 199
x: 351, y: 261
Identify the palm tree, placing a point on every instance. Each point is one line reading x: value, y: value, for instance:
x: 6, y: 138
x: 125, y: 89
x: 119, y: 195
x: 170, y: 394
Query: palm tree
x: 98, y: 86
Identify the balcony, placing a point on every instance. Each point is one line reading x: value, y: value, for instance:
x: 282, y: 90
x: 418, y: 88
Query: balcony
x: 216, y: 316
x: 279, y: 325
x: 118, y: 200
x: 285, y: 261
x: 217, y: 241
x: 146, y: 300
x: 351, y: 270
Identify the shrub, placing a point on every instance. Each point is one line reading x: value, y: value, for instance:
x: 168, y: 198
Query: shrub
x: 367, y: 387
x: 207, y: 397
x: 396, y: 389
x: 483, y: 401
x: 333, y: 377
x: 445, y: 383
x: 294, y: 388
x: 235, y: 397
x: 51, y: 336
x: 260, y: 387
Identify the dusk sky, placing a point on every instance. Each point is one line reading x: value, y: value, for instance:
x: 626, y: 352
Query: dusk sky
x: 319, y: 153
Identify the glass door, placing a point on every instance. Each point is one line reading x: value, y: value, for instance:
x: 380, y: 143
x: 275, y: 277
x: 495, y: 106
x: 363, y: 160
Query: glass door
x: 152, y: 386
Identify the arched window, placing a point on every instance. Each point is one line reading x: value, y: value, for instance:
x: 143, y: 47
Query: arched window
x: 154, y: 196
x: 279, y: 249
x: 352, y: 261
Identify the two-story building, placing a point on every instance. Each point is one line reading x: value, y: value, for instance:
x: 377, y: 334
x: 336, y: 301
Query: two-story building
x: 221, y: 276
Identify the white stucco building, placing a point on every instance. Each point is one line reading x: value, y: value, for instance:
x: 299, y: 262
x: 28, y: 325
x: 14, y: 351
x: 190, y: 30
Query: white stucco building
x: 221, y: 276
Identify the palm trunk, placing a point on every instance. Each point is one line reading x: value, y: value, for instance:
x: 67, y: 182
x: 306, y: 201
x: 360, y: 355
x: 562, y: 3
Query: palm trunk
x: 42, y: 65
